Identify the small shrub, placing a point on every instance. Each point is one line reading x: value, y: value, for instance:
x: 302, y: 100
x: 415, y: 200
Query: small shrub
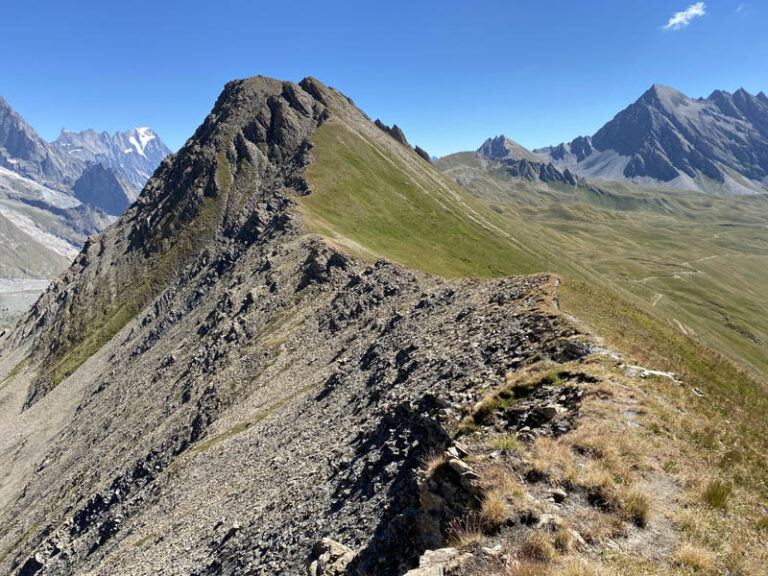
x: 716, y: 493
x: 537, y: 547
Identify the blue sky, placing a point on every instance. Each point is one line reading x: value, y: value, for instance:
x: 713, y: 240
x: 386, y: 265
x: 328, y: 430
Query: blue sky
x: 449, y: 73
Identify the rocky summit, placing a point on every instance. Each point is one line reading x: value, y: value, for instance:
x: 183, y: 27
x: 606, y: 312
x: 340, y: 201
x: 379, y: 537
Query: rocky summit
x: 209, y: 390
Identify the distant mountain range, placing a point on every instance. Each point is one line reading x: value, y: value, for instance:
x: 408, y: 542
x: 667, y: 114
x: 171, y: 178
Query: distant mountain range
x: 717, y: 144
x: 134, y: 154
x: 53, y: 195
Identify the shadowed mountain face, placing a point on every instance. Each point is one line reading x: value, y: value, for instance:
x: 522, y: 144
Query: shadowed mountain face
x: 719, y: 143
x: 103, y: 188
x: 24, y: 152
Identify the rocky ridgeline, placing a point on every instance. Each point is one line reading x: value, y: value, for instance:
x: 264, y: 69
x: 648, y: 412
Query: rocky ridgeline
x: 397, y: 133
x: 209, y: 391
x: 666, y: 137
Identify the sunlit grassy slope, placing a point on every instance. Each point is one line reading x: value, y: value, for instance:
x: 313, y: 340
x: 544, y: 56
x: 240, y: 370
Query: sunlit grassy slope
x: 380, y: 199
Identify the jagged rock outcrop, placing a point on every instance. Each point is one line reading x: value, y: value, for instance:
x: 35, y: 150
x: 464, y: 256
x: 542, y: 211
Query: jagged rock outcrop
x: 423, y: 153
x: 24, y: 152
x: 539, y: 171
x: 502, y: 148
x: 670, y: 139
x: 207, y: 390
x: 395, y: 131
x: 522, y: 163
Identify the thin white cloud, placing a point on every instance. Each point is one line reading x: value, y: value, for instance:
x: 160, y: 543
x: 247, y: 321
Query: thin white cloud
x: 683, y: 19
x: 740, y: 7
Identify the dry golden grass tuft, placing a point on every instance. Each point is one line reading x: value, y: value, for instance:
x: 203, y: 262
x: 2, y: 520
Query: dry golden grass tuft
x: 597, y: 526
x: 465, y: 531
x: 537, y: 547
x: 493, y: 510
x: 581, y: 567
x: 636, y: 506
x: 695, y: 558
x: 527, y: 568
x: 502, y: 478
x: 553, y: 459
x: 432, y: 461
x: 716, y: 493
x: 563, y: 540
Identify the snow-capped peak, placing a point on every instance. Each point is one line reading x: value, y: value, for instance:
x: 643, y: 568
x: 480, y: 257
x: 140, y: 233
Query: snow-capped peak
x: 145, y: 136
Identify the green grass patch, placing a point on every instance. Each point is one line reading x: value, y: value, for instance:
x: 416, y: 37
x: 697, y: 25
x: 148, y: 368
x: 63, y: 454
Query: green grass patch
x: 15, y: 371
x: 18, y: 542
x: 147, y: 538
x: 506, y: 442
x: 368, y: 199
x: 716, y: 493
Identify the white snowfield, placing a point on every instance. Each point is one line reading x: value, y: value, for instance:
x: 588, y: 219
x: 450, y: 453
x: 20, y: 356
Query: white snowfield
x: 145, y: 136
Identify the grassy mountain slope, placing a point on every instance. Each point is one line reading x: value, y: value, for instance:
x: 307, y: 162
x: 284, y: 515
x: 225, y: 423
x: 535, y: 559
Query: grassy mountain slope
x: 696, y: 262
x: 380, y: 199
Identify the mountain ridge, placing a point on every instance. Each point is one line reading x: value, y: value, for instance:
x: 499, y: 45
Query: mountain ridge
x: 134, y: 153
x: 215, y: 251
x: 718, y: 143
x: 254, y: 371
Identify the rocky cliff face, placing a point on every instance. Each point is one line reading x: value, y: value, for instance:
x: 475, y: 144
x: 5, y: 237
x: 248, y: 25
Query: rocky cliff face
x: 24, y: 152
x: 208, y: 390
x: 719, y: 142
x: 103, y: 188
